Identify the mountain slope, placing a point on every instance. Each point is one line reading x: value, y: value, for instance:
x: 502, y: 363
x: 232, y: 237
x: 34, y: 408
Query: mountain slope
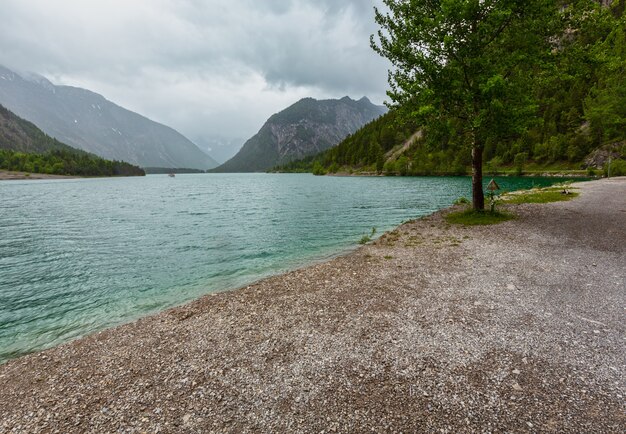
x: 305, y: 128
x: 17, y: 134
x: 25, y: 148
x: 88, y: 121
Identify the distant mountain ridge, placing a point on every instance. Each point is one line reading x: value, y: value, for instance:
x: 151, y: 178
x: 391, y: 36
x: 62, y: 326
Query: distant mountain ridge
x: 220, y: 148
x: 306, y: 128
x: 87, y: 121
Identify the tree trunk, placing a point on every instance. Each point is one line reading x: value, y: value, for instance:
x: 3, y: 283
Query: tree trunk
x: 478, y: 198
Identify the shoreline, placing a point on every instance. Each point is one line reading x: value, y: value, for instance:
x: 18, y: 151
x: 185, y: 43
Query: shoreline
x: 381, y: 337
x: 7, y: 175
x: 562, y: 175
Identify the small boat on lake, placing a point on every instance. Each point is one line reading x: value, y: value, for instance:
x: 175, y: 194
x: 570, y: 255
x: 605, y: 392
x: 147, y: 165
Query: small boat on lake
x: 171, y: 175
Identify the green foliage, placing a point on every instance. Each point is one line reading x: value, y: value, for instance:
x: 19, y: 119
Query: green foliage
x: 605, y: 105
x: 402, y: 165
x: 318, y: 169
x: 63, y: 162
x: 472, y: 217
x: 493, y: 166
x: 461, y: 201
x: 519, y: 161
x: 367, y: 238
x: 618, y: 168
x: 334, y: 168
x: 555, y: 103
x: 463, y: 67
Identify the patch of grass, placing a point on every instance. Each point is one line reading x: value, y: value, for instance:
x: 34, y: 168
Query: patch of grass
x: 367, y: 238
x: 472, y: 218
x: 388, y: 257
x: 542, y: 196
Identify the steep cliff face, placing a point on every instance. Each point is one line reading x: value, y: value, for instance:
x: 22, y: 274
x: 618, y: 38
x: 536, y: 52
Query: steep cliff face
x: 88, y: 121
x: 306, y: 128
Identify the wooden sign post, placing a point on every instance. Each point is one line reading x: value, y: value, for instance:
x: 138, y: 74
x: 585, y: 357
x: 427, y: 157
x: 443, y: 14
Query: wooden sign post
x: 493, y: 186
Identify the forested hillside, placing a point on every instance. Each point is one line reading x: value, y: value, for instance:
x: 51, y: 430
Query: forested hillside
x: 25, y: 148
x: 579, y: 105
x: 18, y: 134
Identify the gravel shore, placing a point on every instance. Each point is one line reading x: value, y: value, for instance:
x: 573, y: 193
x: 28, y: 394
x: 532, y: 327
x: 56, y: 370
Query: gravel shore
x: 6, y: 175
x: 516, y: 327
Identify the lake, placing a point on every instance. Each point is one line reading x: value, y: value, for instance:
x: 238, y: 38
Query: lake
x: 80, y: 255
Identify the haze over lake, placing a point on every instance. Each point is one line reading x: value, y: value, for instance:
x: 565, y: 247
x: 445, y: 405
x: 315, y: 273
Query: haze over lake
x: 80, y: 255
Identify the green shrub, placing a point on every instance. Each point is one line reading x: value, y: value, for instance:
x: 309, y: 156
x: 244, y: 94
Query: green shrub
x: 367, y: 238
x: 318, y: 169
x: 493, y: 165
x: 519, y: 161
x: 618, y: 168
x: 389, y: 168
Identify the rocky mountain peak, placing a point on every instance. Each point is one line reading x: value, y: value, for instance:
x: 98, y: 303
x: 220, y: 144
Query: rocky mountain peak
x: 305, y: 128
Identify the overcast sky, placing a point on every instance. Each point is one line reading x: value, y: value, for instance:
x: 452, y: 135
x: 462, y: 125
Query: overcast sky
x: 205, y: 67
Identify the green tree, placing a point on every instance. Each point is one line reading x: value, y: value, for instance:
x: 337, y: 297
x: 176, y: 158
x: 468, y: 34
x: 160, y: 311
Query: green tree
x: 467, y: 62
x: 605, y: 107
x: 380, y: 163
x: 318, y: 169
x: 519, y: 161
x: 402, y: 165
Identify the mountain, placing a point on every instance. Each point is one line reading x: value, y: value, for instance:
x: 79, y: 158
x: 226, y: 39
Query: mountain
x: 25, y: 148
x: 305, y: 128
x: 221, y: 149
x: 88, y: 121
x: 17, y: 134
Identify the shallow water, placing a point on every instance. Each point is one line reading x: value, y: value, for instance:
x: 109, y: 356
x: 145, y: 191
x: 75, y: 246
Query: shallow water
x: 80, y: 255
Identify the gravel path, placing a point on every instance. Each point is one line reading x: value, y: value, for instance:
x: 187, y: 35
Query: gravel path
x: 517, y: 327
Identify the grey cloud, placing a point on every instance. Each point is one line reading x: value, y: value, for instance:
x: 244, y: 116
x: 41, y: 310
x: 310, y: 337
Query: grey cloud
x: 203, y: 67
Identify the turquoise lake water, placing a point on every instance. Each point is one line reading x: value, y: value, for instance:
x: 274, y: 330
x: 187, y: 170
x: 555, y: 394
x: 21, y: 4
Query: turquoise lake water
x: 80, y: 255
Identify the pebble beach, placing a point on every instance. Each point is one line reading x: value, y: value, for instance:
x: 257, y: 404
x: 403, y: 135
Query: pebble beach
x: 433, y: 327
